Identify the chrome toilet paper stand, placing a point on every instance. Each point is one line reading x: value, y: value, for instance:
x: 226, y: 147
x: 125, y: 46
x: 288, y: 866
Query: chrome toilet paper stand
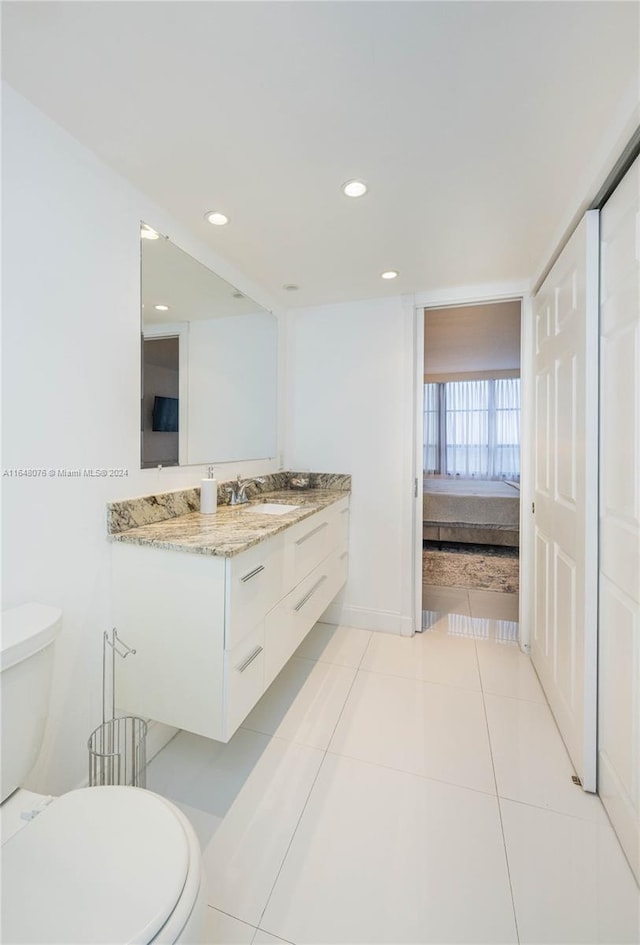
x: 117, y: 747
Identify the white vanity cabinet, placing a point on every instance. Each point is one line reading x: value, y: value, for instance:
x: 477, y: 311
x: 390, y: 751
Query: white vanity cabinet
x: 316, y: 564
x: 211, y: 633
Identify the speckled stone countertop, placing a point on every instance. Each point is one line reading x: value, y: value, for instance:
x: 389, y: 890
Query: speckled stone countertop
x: 233, y: 529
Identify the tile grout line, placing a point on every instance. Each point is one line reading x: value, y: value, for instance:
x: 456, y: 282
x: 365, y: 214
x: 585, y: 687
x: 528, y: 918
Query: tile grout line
x: 358, y: 669
x: 504, y: 839
x: 548, y: 810
x: 543, y: 705
x: 501, y: 695
x: 418, y: 679
x: 308, y: 798
x: 230, y: 915
x: 285, y: 941
x: 411, y: 774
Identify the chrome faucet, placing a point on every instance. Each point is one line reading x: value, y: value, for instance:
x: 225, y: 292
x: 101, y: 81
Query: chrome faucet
x: 238, y: 489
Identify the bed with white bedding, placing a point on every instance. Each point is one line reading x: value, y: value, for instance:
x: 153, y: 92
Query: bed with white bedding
x: 481, y: 511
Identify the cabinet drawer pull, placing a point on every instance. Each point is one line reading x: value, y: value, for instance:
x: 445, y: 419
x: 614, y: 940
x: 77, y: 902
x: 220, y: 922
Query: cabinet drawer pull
x: 312, y: 532
x: 344, y: 511
x: 310, y: 593
x: 250, y: 658
x: 253, y: 573
x: 345, y: 554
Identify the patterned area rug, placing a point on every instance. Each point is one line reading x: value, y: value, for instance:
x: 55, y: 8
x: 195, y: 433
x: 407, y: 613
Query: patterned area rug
x: 487, y: 567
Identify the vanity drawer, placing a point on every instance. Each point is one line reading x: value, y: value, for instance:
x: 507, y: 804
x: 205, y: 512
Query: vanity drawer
x: 309, y: 542
x: 254, y: 586
x: 243, y: 678
x: 342, y: 513
x: 288, y: 624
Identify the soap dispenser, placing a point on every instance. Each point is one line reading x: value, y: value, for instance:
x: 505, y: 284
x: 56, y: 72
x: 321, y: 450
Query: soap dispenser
x: 209, y: 493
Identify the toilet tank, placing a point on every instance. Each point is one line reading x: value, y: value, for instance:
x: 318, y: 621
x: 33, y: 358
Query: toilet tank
x: 26, y: 664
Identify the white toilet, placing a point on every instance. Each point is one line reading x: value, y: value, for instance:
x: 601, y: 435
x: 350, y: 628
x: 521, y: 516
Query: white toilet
x: 97, y: 865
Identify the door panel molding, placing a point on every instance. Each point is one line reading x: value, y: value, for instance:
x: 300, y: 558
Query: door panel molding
x: 619, y: 578
x: 564, y: 648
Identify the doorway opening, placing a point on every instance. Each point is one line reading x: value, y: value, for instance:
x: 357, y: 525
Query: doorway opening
x: 471, y: 463
x: 160, y: 402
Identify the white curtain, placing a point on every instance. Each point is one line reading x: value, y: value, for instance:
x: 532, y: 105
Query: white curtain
x: 431, y: 422
x: 467, y: 428
x: 506, y: 451
x: 472, y: 428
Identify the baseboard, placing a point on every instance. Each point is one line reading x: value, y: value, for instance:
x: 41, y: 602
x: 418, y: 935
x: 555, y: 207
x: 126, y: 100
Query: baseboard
x: 380, y: 620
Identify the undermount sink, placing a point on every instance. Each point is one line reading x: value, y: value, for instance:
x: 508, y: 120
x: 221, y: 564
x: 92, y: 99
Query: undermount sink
x: 271, y: 508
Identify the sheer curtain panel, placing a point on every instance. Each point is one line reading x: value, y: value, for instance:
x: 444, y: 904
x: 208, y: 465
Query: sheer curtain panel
x: 472, y: 428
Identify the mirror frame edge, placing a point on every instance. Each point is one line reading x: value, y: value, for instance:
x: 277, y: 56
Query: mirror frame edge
x: 201, y: 254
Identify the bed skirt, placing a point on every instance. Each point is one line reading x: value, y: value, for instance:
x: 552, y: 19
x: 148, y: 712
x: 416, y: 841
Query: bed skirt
x: 477, y: 511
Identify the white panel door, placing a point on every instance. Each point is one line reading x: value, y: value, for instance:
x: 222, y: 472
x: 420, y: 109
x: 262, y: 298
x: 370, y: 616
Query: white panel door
x: 563, y: 646
x: 619, y: 617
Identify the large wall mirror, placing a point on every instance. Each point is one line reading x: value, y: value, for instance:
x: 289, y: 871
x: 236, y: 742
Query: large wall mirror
x: 209, y: 364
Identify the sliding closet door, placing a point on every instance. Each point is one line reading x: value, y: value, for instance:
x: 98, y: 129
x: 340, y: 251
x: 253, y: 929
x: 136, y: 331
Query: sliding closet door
x: 563, y: 646
x: 619, y: 633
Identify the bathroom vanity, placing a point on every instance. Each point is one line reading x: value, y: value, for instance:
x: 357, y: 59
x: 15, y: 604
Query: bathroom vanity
x: 215, y: 605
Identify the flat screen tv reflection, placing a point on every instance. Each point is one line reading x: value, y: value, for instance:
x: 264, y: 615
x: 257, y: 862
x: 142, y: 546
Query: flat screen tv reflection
x: 165, y: 415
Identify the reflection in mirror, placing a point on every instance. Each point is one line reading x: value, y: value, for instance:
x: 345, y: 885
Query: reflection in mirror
x: 209, y: 364
x: 160, y: 401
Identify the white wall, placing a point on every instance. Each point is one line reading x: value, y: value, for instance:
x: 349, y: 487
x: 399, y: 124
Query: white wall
x: 71, y: 375
x: 232, y: 380
x: 472, y: 340
x: 350, y: 410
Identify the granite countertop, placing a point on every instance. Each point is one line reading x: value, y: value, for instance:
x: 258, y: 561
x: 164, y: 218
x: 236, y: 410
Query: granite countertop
x: 233, y: 529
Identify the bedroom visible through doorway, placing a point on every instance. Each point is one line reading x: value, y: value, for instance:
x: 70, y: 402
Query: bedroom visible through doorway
x: 471, y: 463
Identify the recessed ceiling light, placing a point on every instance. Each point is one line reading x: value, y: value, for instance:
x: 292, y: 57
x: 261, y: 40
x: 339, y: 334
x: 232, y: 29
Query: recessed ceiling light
x: 390, y: 274
x: 146, y: 233
x: 291, y: 287
x: 215, y: 217
x: 161, y: 308
x: 354, y: 188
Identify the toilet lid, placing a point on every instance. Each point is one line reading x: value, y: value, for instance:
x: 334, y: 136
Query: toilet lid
x: 100, y: 865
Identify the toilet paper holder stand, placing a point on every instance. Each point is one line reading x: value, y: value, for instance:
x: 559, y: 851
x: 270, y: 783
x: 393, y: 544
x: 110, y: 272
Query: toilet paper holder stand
x: 117, y: 747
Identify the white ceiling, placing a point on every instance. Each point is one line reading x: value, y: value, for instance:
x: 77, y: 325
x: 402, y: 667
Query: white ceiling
x: 191, y: 291
x: 479, y: 126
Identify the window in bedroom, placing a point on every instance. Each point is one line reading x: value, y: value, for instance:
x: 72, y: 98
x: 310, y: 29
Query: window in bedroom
x: 472, y: 428
x: 431, y: 426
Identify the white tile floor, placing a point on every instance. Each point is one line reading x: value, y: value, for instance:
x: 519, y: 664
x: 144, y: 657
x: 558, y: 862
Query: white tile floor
x: 394, y: 790
x: 470, y: 601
